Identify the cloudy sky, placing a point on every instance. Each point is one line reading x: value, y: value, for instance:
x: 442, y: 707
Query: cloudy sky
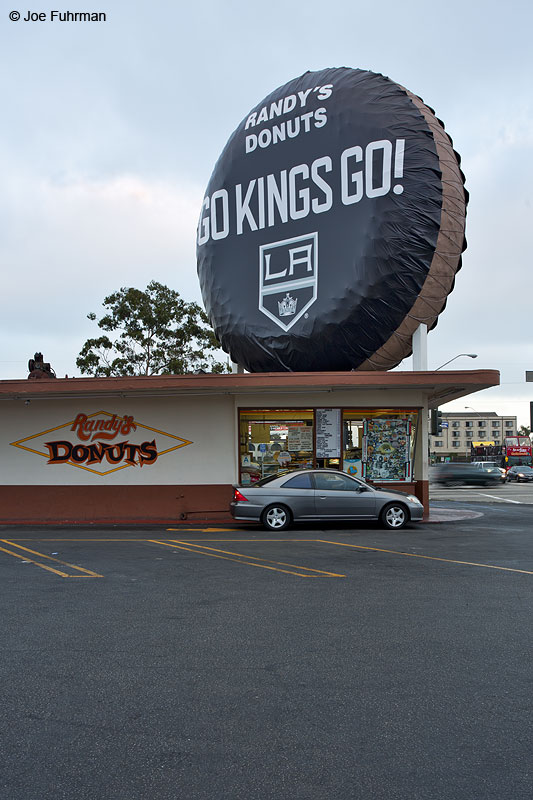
x: 110, y: 132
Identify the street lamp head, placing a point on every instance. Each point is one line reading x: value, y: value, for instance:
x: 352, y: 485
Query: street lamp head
x: 468, y: 355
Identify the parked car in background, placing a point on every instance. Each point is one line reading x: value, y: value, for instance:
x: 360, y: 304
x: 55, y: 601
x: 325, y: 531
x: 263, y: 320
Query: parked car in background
x: 457, y: 473
x: 321, y: 494
x: 491, y: 465
x: 520, y: 474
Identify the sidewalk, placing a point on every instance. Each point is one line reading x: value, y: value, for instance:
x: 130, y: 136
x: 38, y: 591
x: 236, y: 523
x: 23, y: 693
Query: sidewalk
x: 450, y: 515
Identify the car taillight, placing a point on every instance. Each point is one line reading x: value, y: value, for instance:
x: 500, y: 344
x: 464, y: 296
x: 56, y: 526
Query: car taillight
x: 238, y: 497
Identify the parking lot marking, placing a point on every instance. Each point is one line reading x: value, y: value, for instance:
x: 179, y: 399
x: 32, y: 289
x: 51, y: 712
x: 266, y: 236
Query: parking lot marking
x: 87, y: 572
x: 31, y: 561
x: 503, y: 499
x: 430, y: 558
x: 204, y: 530
x: 76, y: 540
x: 194, y: 548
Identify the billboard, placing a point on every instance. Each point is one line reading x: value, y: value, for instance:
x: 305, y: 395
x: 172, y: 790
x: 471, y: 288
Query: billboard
x: 332, y: 225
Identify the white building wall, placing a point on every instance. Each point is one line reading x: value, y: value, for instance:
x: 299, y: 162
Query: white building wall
x: 345, y: 398
x: 208, y: 423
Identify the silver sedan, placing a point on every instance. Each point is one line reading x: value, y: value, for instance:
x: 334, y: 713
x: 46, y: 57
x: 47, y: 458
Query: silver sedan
x: 321, y: 494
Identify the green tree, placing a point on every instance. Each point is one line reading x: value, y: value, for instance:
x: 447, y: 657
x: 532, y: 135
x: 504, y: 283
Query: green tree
x: 524, y: 430
x: 151, y: 332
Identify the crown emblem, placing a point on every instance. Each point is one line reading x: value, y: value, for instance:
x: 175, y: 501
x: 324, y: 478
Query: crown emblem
x: 287, y: 306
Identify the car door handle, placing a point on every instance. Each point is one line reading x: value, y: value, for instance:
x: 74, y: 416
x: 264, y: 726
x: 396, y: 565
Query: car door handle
x: 323, y: 497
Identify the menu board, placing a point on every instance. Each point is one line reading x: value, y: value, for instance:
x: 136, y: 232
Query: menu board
x: 300, y: 437
x: 328, y: 433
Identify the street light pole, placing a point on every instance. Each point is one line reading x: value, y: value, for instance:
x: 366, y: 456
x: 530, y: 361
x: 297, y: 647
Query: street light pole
x: 469, y: 408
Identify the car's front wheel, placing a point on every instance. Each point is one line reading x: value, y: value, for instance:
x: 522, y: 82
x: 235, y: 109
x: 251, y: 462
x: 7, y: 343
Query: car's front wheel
x: 394, y: 516
x: 276, y: 518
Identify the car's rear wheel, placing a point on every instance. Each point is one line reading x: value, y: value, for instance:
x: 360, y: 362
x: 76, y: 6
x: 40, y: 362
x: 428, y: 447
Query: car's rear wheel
x: 394, y: 516
x: 276, y: 517
x: 454, y: 483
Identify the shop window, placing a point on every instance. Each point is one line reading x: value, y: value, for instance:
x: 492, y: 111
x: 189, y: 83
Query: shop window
x: 375, y: 444
x: 273, y: 441
x: 379, y: 444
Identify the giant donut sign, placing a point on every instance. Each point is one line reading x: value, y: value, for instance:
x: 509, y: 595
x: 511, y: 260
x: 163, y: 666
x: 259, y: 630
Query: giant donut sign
x: 332, y: 226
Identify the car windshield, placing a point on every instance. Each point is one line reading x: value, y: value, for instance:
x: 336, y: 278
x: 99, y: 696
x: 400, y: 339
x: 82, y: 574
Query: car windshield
x: 522, y: 469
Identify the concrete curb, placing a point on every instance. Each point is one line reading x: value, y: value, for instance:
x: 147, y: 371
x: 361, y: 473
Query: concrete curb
x: 437, y: 515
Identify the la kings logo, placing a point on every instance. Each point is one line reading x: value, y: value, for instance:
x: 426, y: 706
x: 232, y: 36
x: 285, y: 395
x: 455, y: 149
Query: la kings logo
x: 288, y: 278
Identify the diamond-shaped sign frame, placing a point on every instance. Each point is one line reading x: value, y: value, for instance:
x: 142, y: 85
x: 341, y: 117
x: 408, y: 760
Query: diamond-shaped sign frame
x: 20, y: 443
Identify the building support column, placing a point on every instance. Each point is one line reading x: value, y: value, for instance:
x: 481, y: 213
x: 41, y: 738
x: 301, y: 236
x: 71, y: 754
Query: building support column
x: 420, y: 348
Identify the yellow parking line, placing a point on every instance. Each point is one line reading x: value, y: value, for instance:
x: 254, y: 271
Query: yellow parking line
x: 88, y: 573
x: 204, y: 530
x: 256, y: 558
x: 31, y: 561
x: 224, y: 539
x: 430, y: 558
x: 248, y: 541
x: 192, y: 548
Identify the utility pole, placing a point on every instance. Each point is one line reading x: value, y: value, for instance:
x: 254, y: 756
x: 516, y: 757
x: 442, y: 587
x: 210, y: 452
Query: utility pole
x: 529, y: 379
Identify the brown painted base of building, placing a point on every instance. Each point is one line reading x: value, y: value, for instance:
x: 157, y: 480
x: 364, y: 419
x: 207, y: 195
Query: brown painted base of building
x: 93, y: 505
x: 112, y: 504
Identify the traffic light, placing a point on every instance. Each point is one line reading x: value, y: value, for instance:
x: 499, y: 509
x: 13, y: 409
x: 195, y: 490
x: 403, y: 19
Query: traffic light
x: 435, y: 425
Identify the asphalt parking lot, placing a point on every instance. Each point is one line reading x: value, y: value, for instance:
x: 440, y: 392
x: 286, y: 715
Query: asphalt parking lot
x: 348, y: 662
